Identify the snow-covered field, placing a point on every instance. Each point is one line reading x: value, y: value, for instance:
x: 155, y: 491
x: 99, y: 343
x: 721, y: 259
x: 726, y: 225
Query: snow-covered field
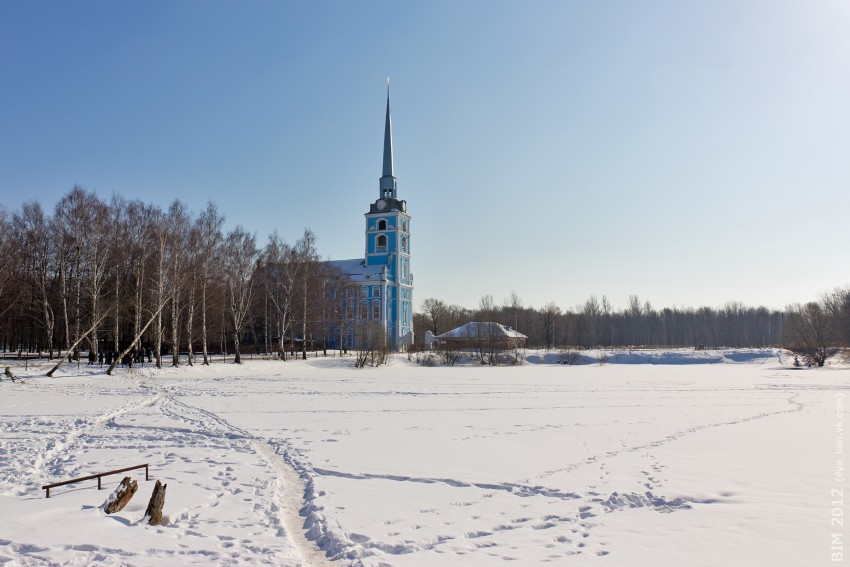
x: 729, y: 462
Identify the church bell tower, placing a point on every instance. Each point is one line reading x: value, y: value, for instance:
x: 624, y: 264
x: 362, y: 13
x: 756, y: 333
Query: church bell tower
x: 388, y: 245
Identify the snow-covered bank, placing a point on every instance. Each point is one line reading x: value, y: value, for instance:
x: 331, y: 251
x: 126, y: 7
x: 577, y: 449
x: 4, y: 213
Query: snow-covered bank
x: 615, y: 464
x: 658, y: 356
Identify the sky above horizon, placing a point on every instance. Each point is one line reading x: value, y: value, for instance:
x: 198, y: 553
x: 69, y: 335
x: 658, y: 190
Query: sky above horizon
x: 691, y: 153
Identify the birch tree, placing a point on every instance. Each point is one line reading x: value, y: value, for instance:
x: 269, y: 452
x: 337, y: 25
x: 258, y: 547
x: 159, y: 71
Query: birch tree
x: 307, y: 257
x: 178, y: 233
x: 240, y: 259
x: 140, y: 229
x: 208, y: 226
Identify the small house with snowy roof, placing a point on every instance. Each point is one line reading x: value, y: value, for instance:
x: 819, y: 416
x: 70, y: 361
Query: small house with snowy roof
x: 475, y: 334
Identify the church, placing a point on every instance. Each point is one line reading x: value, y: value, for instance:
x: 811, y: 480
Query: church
x: 382, y: 279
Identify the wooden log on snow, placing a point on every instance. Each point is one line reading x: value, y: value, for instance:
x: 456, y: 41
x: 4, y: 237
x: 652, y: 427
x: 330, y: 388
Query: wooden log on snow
x: 11, y: 375
x: 122, y: 495
x: 153, y: 514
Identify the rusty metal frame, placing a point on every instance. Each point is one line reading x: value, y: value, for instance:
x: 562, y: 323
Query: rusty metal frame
x: 98, y: 476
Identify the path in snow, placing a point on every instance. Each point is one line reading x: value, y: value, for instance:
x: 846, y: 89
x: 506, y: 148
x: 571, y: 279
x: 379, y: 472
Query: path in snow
x: 289, y: 492
x: 288, y: 488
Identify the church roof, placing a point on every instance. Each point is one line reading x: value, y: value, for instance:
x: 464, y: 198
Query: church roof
x: 357, y: 270
x: 482, y: 329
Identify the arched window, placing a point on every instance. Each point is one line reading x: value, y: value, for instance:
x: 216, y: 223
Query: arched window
x: 381, y: 243
x: 382, y: 224
x: 404, y: 244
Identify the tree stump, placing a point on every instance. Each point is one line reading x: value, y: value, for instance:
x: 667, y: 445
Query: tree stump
x: 11, y: 375
x: 154, y: 512
x: 122, y: 495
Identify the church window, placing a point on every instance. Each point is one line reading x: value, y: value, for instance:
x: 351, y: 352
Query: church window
x: 404, y: 225
x: 382, y: 224
x: 404, y: 244
x: 376, y: 291
x: 364, y: 311
x: 381, y: 243
x: 376, y: 311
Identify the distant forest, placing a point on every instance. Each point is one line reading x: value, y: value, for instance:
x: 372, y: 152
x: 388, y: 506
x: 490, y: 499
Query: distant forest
x: 816, y: 330
x: 130, y: 278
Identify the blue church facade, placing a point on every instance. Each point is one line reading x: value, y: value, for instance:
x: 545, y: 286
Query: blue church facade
x: 382, y: 280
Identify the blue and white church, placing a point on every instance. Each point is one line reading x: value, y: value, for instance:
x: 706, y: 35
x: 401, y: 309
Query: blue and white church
x: 383, y: 278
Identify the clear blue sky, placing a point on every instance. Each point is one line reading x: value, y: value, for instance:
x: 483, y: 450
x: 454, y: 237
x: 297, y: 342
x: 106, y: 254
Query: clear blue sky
x: 688, y: 152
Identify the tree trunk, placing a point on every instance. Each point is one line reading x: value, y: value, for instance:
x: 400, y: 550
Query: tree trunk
x: 190, y: 317
x: 153, y: 514
x: 49, y: 322
x: 11, y: 375
x: 204, y: 315
x: 175, y: 329
x: 304, y: 323
x: 117, y: 329
x: 77, y: 307
x: 122, y: 495
x: 121, y: 356
x: 160, y: 291
x: 73, y: 347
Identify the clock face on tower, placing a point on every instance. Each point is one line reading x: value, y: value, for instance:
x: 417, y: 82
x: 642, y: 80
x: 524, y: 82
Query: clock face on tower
x: 381, y: 204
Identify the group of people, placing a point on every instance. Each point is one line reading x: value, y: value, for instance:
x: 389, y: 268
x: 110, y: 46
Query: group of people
x: 111, y: 357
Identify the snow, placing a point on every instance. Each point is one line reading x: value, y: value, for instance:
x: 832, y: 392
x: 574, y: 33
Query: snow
x: 651, y: 461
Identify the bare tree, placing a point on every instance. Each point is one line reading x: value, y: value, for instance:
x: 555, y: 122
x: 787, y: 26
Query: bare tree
x: 551, y: 311
x: 371, y: 344
x: 307, y: 258
x: 193, y: 271
x: 72, y: 220
x: 280, y: 276
x: 437, y: 313
x: 8, y: 266
x: 634, y: 312
x: 161, y: 288
x: 38, y: 249
x: 811, y: 332
x: 208, y: 225
x: 513, y: 307
x: 837, y: 305
x: 178, y: 234
x: 591, y: 312
x: 486, y: 308
x: 240, y: 259
x: 119, y: 255
x: 140, y: 230
x: 607, y: 319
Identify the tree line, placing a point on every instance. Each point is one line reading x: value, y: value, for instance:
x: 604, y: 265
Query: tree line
x: 816, y: 330
x: 134, y: 279
x: 130, y: 278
